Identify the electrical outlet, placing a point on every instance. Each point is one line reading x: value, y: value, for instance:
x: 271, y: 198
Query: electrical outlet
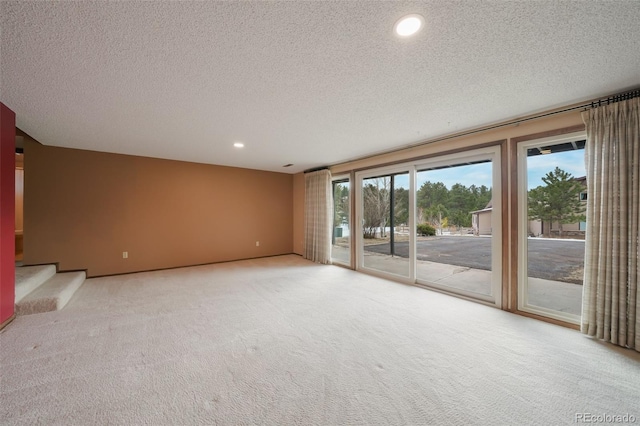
x: 125, y: 254
x: 257, y: 243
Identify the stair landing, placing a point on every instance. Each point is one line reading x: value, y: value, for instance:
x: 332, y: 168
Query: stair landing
x: 28, y: 278
x: 40, y: 289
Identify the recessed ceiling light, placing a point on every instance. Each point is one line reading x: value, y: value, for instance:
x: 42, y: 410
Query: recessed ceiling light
x: 238, y: 145
x: 288, y: 165
x: 408, y: 25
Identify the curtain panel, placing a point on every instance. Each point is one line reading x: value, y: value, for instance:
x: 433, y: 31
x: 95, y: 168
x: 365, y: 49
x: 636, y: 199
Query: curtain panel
x: 318, y: 207
x: 610, y: 309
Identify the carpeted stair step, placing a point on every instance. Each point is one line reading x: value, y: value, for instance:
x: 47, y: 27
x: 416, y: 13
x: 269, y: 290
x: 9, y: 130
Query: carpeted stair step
x: 53, y: 295
x: 29, y: 278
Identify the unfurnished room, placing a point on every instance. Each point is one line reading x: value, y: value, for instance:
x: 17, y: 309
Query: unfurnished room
x: 319, y: 212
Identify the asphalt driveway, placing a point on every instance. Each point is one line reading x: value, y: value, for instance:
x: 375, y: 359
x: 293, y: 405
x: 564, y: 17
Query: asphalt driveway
x: 558, y: 260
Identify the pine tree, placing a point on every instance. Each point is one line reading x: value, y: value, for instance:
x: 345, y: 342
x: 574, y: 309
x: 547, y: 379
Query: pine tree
x: 558, y: 200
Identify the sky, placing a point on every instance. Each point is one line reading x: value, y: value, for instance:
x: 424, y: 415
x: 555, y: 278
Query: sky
x: 480, y: 174
x: 540, y: 165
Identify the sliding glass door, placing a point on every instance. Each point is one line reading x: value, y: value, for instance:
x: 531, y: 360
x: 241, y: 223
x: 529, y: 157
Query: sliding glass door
x: 436, y: 223
x: 552, y: 195
x: 458, y: 247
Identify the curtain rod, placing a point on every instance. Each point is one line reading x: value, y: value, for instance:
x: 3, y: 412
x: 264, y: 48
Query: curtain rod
x: 616, y: 98
x: 594, y: 103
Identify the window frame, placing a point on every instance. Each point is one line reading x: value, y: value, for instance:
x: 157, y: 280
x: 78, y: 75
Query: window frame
x: 522, y: 304
x: 492, y: 154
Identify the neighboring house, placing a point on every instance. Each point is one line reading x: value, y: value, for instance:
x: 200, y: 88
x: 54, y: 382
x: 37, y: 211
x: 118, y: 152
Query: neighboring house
x: 481, y: 220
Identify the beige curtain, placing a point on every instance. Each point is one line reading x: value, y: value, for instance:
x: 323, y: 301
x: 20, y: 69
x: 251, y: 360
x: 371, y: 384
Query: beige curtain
x: 318, y: 206
x: 610, y: 309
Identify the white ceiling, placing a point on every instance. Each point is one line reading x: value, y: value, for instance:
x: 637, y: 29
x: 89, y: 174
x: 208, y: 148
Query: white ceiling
x: 308, y: 83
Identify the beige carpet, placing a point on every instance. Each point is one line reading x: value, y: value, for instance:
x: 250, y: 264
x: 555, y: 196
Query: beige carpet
x: 282, y: 341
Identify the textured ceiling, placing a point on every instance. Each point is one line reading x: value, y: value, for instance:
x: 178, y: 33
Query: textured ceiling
x: 308, y: 83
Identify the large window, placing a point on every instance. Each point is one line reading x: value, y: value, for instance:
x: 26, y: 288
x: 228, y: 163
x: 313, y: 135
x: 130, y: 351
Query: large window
x: 439, y: 223
x: 552, y: 195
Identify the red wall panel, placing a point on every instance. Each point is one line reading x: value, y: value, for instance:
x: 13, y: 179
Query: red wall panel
x: 7, y: 212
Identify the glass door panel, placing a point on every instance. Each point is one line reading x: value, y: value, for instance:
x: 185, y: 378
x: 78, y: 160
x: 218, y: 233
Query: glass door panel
x: 552, y: 199
x: 456, y: 223
x: 341, y: 237
x: 385, y: 223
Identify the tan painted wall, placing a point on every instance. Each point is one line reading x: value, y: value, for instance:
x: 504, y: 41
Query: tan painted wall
x: 298, y: 214
x: 83, y: 209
